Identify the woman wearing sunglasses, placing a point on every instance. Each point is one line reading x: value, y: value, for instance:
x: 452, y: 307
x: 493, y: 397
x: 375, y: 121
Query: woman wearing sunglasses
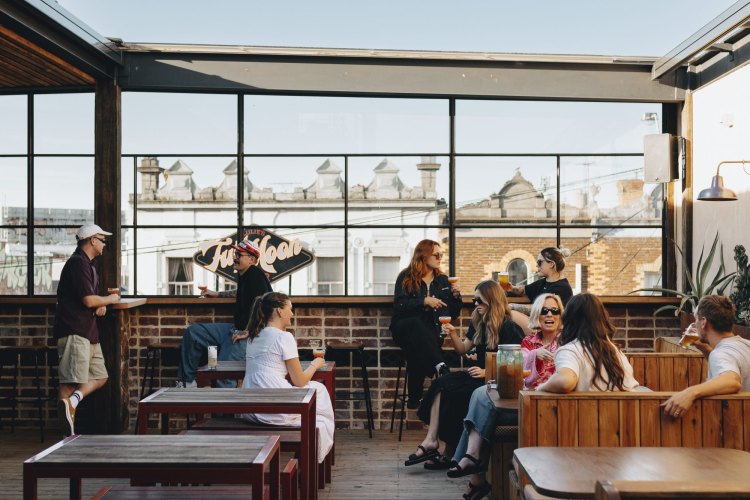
x: 539, y: 348
x: 473, y: 451
x: 421, y: 295
x: 445, y: 404
x: 587, y: 359
x: 549, y: 265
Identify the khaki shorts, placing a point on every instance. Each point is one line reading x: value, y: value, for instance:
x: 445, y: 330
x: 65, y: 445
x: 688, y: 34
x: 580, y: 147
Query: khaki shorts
x: 80, y: 360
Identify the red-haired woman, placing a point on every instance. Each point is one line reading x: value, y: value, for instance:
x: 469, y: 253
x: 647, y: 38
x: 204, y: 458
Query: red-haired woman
x: 421, y: 295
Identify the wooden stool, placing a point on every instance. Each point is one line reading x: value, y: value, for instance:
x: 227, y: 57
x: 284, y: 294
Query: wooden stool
x: 402, y: 397
x: 334, y: 347
x: 153, y: 352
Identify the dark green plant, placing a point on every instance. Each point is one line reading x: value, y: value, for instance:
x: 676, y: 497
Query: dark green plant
x: 698, y: 285
x: 741, y: 294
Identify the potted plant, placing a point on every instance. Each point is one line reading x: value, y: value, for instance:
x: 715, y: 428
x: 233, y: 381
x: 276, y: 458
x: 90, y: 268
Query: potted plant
x: 699, y: 285
x: 741, y: 293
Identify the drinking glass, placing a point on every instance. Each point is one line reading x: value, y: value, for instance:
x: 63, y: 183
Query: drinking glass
x: 504, y: 280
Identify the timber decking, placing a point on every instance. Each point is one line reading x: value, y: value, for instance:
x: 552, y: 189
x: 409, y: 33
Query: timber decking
x: 368, y: 469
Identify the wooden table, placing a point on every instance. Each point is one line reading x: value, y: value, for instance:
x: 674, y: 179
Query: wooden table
x: 235, y: 370
x: 152, y: 459
x: 209, y: 400
x: 573, y: 472
x: 510, y: 405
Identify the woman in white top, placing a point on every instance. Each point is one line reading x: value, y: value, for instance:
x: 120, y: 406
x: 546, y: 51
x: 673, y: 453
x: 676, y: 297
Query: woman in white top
x: 272, y: 354
x: 587, y: 359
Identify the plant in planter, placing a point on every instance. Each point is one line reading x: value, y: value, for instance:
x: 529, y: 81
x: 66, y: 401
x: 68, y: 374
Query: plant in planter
x: 741, y: 293
x: 699, y: 284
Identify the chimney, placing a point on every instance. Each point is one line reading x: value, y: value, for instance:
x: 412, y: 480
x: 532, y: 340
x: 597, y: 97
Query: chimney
x: 629, y: 191
x: 150, y: 171
x: 428, y: 169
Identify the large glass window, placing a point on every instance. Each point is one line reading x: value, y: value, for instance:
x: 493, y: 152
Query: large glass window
x: 355, y: 182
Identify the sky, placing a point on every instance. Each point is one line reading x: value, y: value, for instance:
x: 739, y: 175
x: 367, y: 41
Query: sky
x: 190, y: 124
x: 633, y: 27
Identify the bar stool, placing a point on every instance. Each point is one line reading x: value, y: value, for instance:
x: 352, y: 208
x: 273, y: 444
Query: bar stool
x: 12, y: 360
x: 155, y: 352
x: 400, y: 397
x: 333, y: 349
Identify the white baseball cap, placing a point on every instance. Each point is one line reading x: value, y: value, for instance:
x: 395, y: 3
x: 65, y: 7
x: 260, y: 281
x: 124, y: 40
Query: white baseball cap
x: 90, y: 230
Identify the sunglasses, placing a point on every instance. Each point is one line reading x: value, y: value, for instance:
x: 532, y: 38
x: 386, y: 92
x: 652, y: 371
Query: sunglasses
x: 477, y: 301
x: 438, y: 255
x: 541, y: 261
x: 101, y: 240
x: 546, y: 310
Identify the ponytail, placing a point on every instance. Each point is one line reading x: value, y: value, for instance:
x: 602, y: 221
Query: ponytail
x: 261, y: 311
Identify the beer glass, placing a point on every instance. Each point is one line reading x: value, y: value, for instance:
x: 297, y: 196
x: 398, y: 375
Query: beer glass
x: 213, y: 357
x: 504, y: 280
x: 689, y: 337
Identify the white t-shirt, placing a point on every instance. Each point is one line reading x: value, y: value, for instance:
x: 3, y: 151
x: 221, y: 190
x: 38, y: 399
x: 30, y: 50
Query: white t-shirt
x: 731, y: 354
x: 574, y: 357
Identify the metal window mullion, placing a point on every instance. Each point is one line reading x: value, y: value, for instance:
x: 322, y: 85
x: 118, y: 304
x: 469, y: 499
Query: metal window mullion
x: 30, y: 194
x: 240, y: 166
x: 346, y: 225
x: 558, y: 217
x: 135, y: 225
x: 451, y: 185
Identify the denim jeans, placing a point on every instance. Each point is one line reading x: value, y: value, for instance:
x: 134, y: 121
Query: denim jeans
x: 482, y: 416
x: 195, y: 344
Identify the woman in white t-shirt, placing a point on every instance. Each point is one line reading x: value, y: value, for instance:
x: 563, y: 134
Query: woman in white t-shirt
x: 587, y: 359
x: 271, y: 355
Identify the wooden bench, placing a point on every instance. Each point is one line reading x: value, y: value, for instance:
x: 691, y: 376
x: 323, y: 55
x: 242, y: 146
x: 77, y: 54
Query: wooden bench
x: 632, y: 419
x: 290, y: 438
x: 289, y: 490
x: 659, y: 371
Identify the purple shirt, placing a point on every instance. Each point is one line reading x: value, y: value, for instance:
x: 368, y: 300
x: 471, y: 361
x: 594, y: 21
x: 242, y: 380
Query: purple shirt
x: 77, y: 280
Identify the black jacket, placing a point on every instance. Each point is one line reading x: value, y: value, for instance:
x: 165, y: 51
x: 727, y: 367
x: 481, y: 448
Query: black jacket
x: 411, y: 305
x: 253, y: 283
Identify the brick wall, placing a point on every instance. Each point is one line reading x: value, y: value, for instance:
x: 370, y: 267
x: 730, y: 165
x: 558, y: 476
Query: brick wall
x: 31, y: 325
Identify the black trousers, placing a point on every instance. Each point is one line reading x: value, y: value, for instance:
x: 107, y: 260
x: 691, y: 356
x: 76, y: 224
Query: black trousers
x: 420, y: 344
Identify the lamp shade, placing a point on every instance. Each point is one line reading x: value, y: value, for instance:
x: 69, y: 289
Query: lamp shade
x: 717, y: 191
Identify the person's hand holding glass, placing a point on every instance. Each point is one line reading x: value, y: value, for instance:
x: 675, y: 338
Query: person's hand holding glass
x: 238, y: 335
x: 319, y: 353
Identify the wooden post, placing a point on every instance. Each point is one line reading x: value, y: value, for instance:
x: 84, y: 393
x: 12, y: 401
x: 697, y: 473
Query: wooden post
x: 110, y: 402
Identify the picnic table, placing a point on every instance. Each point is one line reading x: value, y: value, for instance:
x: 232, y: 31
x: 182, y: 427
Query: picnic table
x: 209, y: 400
x: 235, y: 370
x: 152, y: 459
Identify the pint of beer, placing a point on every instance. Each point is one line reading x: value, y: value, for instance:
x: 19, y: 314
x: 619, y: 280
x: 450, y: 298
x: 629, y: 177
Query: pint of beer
x: 689, y: 337
x: 504, y: 280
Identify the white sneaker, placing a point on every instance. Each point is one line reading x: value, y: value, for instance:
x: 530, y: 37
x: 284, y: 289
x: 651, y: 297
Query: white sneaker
x: 191, y: 385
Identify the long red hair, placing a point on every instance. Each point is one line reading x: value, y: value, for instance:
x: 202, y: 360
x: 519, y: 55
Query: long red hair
x: 417, y: 268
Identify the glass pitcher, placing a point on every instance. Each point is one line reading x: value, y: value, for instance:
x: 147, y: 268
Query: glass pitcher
x: 509, y: 372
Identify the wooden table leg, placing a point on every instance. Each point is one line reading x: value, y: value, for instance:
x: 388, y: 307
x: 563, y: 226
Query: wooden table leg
x: 29, y: 483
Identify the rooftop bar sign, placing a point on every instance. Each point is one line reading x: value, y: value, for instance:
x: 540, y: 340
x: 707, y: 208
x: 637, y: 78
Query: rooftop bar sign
x: 279, y: 257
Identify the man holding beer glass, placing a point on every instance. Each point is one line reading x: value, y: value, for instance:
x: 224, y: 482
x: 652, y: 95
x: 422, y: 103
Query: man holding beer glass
x: 728, y: 355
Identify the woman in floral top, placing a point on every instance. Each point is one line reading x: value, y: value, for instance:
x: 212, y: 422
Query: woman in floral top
x: 539, y: 347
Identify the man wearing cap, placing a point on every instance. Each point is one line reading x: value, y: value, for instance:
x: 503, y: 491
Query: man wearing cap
x: 81, y: 370
x: 252, y: 282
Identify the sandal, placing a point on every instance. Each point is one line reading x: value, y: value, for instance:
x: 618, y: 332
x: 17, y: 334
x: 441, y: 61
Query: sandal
x: 440, y: 462
x: 418, y: 459
x: 477, y: 491
x: 459, y: 471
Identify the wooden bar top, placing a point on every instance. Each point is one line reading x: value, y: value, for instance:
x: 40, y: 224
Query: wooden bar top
x: 234, y: 366
x: 129, y: 303
x: 352, y: 301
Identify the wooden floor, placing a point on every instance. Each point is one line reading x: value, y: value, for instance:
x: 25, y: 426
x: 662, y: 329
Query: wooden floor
x: 365, y: 469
